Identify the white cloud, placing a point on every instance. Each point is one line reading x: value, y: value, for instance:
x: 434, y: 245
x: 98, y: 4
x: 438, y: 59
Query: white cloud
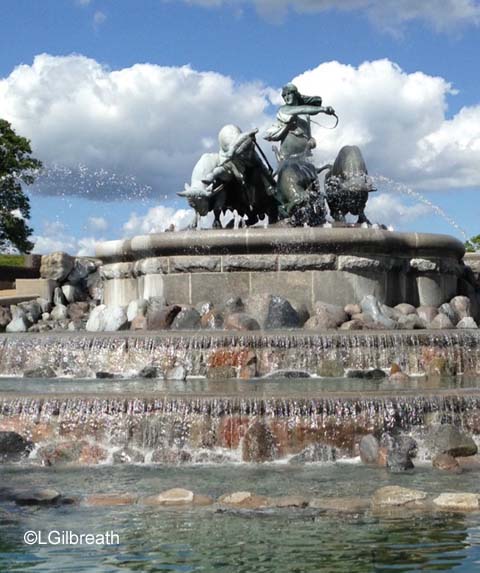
x: 156, y: 220
x: 391, y: 211
x: 99, y: 18
x: 97, y: 223
x: 390, y: 14
x: 139, y: 131
x: 54, y: 237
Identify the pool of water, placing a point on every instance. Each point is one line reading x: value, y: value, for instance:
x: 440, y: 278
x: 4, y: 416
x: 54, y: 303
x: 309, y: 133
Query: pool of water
x: 206, y: 540
x: 232, y: 387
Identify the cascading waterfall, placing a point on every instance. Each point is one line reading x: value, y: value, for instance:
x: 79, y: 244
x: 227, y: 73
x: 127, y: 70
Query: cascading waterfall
x: 126, y: 354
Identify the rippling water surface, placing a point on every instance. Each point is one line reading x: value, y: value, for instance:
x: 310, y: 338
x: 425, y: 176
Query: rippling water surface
x: 207, y: 540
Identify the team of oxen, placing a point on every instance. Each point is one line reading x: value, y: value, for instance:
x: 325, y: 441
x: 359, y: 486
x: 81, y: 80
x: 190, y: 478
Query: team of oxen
x: 240, y: 179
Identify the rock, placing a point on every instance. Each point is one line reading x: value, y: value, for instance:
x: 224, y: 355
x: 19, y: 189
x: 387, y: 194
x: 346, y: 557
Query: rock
x: 427, y: 313
x: 115, y: 318
x: 128, y: 456
x: 320, y: 321
x: 32, y: 310
x: 45, y: 304
x: 45, y: 496
x: 458, y: 501
x: 19, y: 324
x: 244, y: 499
x: 171, y: 456
x: 78, y: 310
x: 94, y: 286
x: 281, y: 314
x: 92, y: 454
x: 233, y: 305
x: 240, y: 321
x: 204, y: 307
x: 75, y: 325
x: 398, y: 461
x: 353, y: 325
x: 370, y: 305
x: 288, y: 501
x: 462, y: 306
x: 469, y: 463
x: 40, y: 372
x: 176, y: 373
x: 13, y: 446
x: 212, y: 320
x: 340, y: 504
x: 139, y: 323
x: 110, y: 499
x: 150, y: 372
x: 287, y: 374
x: 60, y: 453
x: 352, y: 309
x: 400, y: 451
x: 410, y: 322
x: 448, y: 310
x: 259, y: 443
x: 59, y: 297
x: 56, y: 266
x: 5, y: 317
x: 161, y: 318
x: 369, y: 447
x: 374, y: 374
x: 448, y: 439
x: 390, y: 312
x: 174, y: 497
x: 467, y: 322
x: 395, y: 495
x: 337, y: 313
x: 399, y: 378
x: 103, y: 375
x: 81, y: 269
x: 315, y: 453
x: 73, y: 293
x: 446, y: 462
x: 60, y: 312
x: 96, y: 320
x: 405, y: 309
x: 137, y: 308
x: 441, y: 322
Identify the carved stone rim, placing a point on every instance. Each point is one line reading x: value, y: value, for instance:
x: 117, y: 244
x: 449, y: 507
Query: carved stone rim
x: 281, y: 240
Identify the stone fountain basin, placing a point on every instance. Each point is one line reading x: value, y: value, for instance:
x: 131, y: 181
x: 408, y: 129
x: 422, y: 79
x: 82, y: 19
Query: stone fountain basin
x: 333, y: 265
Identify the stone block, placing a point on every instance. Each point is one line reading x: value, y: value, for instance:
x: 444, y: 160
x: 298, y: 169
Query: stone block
x: 250, y: 263
x: 42, y: 288
x: 295, y: 286
x: 151, y: 266
x: 176, y: 288
x: 342, y: 288
x: 353, y: 263
x: 217, y: 287
x: 120, y: 292
x: 195, y: 264
x: 306, y: 262
x: 117, y: 271
x: 152, y: 285
x: 435, y: 289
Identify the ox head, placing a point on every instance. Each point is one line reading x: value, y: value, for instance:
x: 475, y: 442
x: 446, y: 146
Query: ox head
x: 198, y: 198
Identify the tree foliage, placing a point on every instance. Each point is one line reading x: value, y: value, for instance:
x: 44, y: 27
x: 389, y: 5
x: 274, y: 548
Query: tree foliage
x: 473, y: 244
x: 17, y: 168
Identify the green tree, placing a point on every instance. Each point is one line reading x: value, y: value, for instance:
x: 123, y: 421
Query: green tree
x: 473, y: 244
x: 17, y: 167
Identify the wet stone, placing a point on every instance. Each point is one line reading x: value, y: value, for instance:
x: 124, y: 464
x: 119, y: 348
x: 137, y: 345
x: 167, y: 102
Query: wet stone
x: 315, y: 453
x: 241, y: 321
x: 446, y: 462
x: 161, y: 317
x: 150, y: 372
x: 341, y: 504
x: 13, y: 446
x: 369, y: 447
x: 427, y: 313
x: 110, y: 499
x: 244, y: 499
x: 38, y: 497
x: 128, y: 456
x: 448, y: 439
x: 396, y: 495
x: 281, y: 314
x: 458, y: 501
x: 186, y: 319
x: 259, y: 444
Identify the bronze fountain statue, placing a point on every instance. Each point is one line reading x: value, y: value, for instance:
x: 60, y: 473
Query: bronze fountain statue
x: 239, y: 177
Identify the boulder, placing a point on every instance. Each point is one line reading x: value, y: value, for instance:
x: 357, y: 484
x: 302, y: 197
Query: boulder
x: 427, y: 313
x: 441, y: 322
x: 405, y: 309
x: 13, y: 446
x: 19, y: 324
x: 232, y: 305
x: 59, y: 312
x: 150, y: 372
x: 458, y: 501
x: 446, y: 462
x: 137, y: 308
x: 56, y: 266
x: 320, y: 321
x: 73, y: 293
x: 94, y: 286
x: 467, y: 322
x: 240, y: 321
x: 394, y: 495
x: 40, y: 372
x: 110, y: 499
x: 337, y: 313
x: 448, y: 439
x: 204, y: 307
x: 281, y: 314
x: 45, y: 304
x: 78, y: 310
x: 187, y: 319
x: 178, y: 372
x: 45, y: 496
x: 161, y: 318
x: 244, y: 500
x: 315, y: 453
x: 82, y: 267
x: 115, y: 318
x: 448, y: 310
x: 352, y: 309
x: 96, y: 320
x: 212, y: 320
x: 370, y: 305
x: 5, y: 317
x: 369, y: 447
x: 172, y: 498
x: 462, y: 306
x: 128, y: 456
x: 410, y: 322
x: 139, y: 323
x: 259, y: 443
x: 353, y: 325
x: 32, y: 310
x: 59, y: 297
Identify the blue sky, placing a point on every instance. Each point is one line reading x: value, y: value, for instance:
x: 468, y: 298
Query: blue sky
x: 120, y: 98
